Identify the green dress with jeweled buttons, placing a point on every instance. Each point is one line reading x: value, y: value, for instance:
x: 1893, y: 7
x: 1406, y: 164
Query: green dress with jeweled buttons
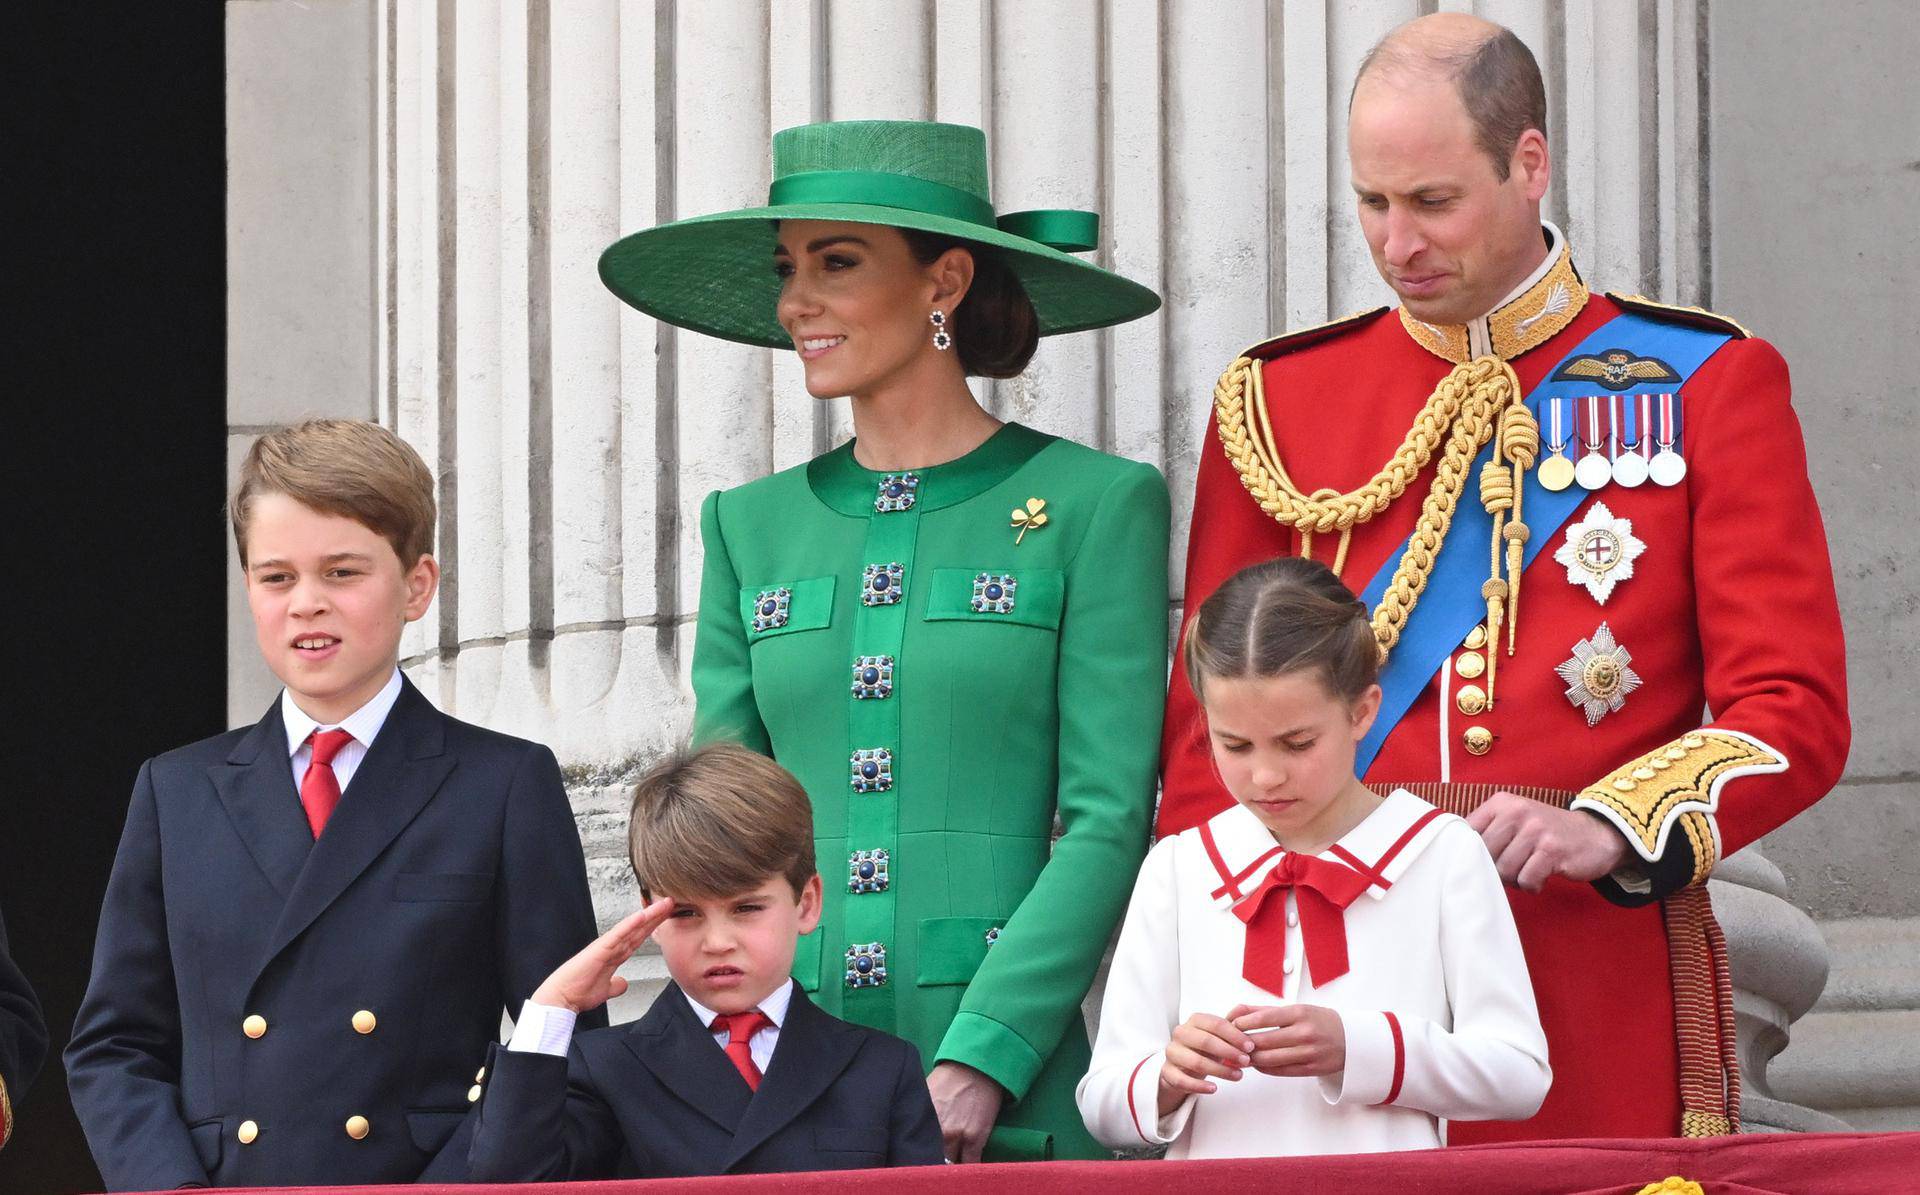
x: 947, y: 685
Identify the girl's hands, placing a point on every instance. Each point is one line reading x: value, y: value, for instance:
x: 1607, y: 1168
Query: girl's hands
x: 1293, y: 1040
x: 1202, y: 1049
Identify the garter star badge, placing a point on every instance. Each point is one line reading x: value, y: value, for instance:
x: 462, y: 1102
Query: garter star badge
x: 1599, y: 552
x: 1599, y: 676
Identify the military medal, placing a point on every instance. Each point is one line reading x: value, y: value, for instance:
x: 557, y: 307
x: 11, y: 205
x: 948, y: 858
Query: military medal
x: 1599, y: 552
x: 1594, y: 469
x: 1630, y: 464
x: 1668, y: 466
x: 1556, y: 472
x: 1599, y: 675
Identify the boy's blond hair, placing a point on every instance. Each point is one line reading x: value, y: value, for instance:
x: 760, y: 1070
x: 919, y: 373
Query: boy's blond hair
x: 344, y: 467
x: 718, y: 821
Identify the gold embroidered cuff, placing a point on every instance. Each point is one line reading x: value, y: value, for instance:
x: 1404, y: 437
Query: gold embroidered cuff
x: 1678, y: 784
x: 6, y: 1114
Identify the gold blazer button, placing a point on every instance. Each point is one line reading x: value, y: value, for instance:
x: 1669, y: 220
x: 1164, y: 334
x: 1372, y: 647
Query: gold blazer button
x: 1472, y: 700
x: 363, y: 1021
x: 248, y: 1131
x: 1478, y: 740
x: 473, y: 1094
x: 254, y: 1026
x: 358, y: 1128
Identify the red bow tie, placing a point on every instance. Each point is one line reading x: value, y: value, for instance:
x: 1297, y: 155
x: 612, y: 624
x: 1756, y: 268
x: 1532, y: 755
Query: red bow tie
x: 1323, y: 890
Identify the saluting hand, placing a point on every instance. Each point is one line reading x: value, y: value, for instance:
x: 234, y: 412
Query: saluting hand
x: 1532, y: 842
x: 1293, y: 1040
x: 1203, y: 1048
x: 587, y: 980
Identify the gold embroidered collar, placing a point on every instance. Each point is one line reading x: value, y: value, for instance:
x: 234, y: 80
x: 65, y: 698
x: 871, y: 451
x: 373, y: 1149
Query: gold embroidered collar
x: 1533, y: 314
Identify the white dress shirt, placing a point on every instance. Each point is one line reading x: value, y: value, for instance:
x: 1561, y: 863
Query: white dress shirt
x: 544, y: 1029
x: 363, y: 724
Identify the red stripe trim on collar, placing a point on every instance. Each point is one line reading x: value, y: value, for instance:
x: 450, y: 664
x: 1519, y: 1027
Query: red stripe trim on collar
x: 1233, y: 882
x: 1133, y: 1111
x: 1377, y: 873
x: 1219, y: 864
x: 1399, y: 1058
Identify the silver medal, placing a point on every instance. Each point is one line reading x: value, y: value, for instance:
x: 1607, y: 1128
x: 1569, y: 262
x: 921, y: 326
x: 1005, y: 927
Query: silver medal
x: 1593, y: 471
x: 1629, y: 468
x: 1667, y: 467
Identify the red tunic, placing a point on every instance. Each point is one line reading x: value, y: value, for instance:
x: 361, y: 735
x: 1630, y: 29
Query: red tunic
x: 1730, y: 610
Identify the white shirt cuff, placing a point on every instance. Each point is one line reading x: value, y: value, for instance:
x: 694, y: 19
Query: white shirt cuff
x: 542, y: 1029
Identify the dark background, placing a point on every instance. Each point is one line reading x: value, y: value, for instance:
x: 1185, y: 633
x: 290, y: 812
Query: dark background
x: 114, y: 441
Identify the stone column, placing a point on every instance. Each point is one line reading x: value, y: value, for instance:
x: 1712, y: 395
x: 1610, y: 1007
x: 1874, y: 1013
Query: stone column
x: 487, y: 151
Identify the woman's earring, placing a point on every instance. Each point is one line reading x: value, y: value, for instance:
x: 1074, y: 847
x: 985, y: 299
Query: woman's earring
x: 941, y: 340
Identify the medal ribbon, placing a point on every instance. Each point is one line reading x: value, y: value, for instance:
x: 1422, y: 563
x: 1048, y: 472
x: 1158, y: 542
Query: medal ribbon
x: 1452, y: 604
x: 1323, y: 890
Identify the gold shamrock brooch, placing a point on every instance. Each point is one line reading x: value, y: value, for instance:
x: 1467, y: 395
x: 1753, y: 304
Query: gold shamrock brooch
x: 1031, y: 517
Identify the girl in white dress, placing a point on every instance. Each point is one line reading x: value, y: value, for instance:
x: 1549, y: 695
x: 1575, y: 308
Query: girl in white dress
x: 1318, y: 969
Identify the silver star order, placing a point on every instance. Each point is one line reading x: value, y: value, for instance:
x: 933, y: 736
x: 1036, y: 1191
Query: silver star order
x: 1599, y: 676
x: 1605, y: 561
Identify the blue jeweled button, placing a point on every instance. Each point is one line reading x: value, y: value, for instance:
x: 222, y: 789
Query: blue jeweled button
x: 872, y: 677
x: 866, y: 965
x: 771, y: 608
x: 896, y: 492
x: 867, y: 872
x: 872, y: 770
x: 882, y: 584
x: 993, y: 593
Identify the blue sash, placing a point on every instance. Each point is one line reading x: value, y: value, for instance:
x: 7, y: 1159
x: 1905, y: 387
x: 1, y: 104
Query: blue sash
x: 1451, y: 604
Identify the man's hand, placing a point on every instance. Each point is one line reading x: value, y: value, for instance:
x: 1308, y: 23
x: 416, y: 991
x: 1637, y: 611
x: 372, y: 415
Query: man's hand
x: 1531, y: 842
x: 1202, y: 1049
x: 1293, y: 1040
x: 967, y: 1103
x: 587, y: 980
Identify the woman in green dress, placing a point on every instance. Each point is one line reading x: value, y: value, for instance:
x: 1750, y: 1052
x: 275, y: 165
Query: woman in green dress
x: 951, y: 629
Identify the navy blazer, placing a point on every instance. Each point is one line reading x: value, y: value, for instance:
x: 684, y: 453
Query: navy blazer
x: 657, y: 1098
x: 378, y: 961
x: 23, y: 1037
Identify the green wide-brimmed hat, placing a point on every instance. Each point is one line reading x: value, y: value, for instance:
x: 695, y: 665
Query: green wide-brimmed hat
x: 714, y: 274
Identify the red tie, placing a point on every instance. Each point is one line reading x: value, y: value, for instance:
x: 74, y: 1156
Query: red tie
x: 1323, y: 890
x: 320, y: 788
x: 740, y: 1027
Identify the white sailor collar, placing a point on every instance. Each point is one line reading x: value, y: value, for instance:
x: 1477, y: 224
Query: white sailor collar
x: 1381, y: 847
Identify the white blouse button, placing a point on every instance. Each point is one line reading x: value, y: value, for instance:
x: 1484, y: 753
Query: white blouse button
x: 1293, y: 918
x: 1286, y: 967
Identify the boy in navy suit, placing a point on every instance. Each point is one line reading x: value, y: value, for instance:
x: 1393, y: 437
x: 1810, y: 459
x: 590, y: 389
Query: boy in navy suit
x: 314, y: 923
x: 733, y: 1070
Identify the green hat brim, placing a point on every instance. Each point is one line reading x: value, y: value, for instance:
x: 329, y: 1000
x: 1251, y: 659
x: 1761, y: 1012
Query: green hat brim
x: 714, y: 274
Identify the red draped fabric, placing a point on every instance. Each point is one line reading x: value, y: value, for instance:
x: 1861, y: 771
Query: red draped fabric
x: 1828, y: 1163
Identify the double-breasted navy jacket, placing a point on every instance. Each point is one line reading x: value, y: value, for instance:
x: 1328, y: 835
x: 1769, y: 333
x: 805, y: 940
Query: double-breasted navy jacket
x: 269, y: 1009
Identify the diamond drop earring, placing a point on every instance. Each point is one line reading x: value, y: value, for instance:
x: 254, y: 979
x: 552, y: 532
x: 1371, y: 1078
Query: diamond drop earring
x: 941, y: 340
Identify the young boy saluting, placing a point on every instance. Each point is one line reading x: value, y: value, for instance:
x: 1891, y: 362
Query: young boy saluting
x: 314, y: 923
x: 733, y: 1070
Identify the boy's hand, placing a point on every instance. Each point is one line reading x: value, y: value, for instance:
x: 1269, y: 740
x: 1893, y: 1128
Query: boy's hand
x: 1206, y: 1047
x: 587, y: 980
x: 1293, y: 1040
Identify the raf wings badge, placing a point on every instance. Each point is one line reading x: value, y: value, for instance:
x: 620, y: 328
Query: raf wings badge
x: 1616, y: 369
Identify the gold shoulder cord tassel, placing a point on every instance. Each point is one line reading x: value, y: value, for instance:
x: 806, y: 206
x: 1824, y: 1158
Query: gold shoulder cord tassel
x: 1464, y: 411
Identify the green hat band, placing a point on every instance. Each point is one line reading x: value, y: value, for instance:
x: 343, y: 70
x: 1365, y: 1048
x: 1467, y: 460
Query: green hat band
x: 1067, y: 230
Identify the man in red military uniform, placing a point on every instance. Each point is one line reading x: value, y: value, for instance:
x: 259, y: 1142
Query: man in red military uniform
x: 1581, y: 520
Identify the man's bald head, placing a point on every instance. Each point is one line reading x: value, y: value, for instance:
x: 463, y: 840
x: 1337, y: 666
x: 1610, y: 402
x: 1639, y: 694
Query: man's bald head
x: 1492, y: 71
